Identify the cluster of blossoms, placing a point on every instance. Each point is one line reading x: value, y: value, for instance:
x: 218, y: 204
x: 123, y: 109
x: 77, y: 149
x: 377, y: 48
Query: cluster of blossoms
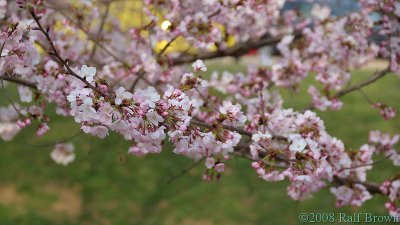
x: 392, y: 189
x: 209, y: 23
x: 145, y: 117
x: 351, y: 196
x: 386, y: 112
x: 383, y: 143
x: 390, y: 28
x: 149, y: 99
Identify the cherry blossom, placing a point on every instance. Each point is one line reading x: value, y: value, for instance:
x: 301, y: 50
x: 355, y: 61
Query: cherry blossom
x: 320, y: 12
x: 386, y: 112
x: 63, y: 154
x: 385, y: 144
x: 298, y: 143
x: 25, y: 94
x: 122, y: 94
x: 87, y: 72
x: 8, y: 131
x: 199, y: 65
x: 349, y: 196
x: 233, y: 114
x: 42, y: 129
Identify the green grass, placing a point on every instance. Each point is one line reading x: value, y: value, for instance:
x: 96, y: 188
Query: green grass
x: 106, y: 186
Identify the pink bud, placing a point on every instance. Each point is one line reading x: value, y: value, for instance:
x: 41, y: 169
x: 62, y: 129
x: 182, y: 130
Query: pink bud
x: 21, y: 124
x: 255, y: 165
x: 220, y: 167
x: 260, y: 171
x: 210, y: 162
x: 42, y: 129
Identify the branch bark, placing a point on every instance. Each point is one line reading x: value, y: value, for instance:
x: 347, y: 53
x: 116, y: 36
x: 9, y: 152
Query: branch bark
x: 236, y: 51
x: 18, y: 81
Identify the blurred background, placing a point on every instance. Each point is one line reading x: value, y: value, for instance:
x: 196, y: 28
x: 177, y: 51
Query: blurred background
x: 105, y: 185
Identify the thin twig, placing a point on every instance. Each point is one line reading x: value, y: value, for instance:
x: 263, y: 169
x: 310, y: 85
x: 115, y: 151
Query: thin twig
x: 368, y: 164
x: 166, y: 46
x: 52, y: 144
x: 185, y: 171
x: 136, y: 81
x: 368, y: 99
x: 9, y: 98
x: 57, y: 56
x: 92, y: 38
x: 376, y: 76
x: 101, y: 27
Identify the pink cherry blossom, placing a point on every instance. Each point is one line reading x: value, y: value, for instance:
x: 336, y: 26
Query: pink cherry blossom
x: 25, y: 94
x: 199, y: 65
x: 63, y: 154
x: 42, y: 129
x: 298, y: 143
x: 8, y: 131
x: 122, y: 94
x: 87, y: 72
x: 351, y: 196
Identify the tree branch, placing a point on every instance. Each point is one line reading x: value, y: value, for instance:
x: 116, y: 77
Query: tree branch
x: 376, y: 76
x: 101, y: 27
x: 18, y: 81
x: 236, y: 51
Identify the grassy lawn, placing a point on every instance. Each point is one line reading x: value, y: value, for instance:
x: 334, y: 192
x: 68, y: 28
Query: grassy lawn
x: 106, y: 186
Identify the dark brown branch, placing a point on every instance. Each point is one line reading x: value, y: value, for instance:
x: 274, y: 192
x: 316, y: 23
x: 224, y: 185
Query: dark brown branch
x: 166, y: 46
x: 240, y: 131
x: 18, y: 81
x: 136, y: 81
x: 236, y: 51
x: 372, y: 188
